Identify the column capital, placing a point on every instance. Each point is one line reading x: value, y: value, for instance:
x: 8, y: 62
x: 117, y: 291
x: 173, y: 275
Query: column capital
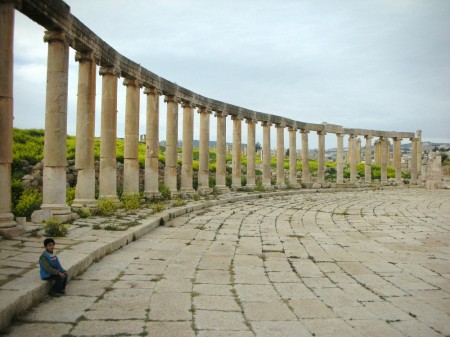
x: 151, y: 91
x: 251, y: 120
x: 203, y: 110
x: 187, y: 104
x: 368, y: 137
x: 17, y: 3
x: 109, y: 71
x: 304, y: 131
x: 233, y: 117
x: 321, y: 132
x: 280, y: 125
x: 221, y: 114
x: 56, y: 35
x: 170, y: 98
x: 340, y: 135
x: 85, y: 56
x: 132, y: 81
x: 264, y: 123
x: 291, y: 129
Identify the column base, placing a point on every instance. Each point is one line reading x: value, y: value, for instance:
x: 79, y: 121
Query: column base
x: 316, y: 185
x: 113, y: 198
x: 80, y: 203
x: 11, y: 232
x: 152, y: 195
x: 204, y: 190
x: 57, y: 209
x: 281, y: 186
x: 7, y: 220
x: 295, y: 186
x: 187, y: 191
x: 307, y: 184
x: 222, y: 188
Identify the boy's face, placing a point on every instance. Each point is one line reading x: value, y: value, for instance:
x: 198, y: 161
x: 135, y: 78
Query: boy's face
x: 50, y: 247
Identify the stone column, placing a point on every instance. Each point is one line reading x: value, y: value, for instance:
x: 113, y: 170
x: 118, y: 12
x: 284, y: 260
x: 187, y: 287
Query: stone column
x: 368, y: 158
x: 349, y: 150
x: 84, y: 153
x: 6, y: 116
x: 236, y: 154
x: 414, y: 161
x: 398, y: 160
x: 293, y: 158
x: 203, y: 172
x: 384, y: 159
x: 108, y: 163
x: 151, y: 189
x: 251, y: 153
x: 280, y: 155
x: 221, y: 151
x: 321, y: 158
x: 358, y: 151
x: 377, y: 152
x: 170, y: 174
x: 267, y: 176
x: 131, y: 150
x: 352, y: 147
x: 55, y: 148
x: 306, y: 177
x: 340, y: 159
x: 188, y: 137
x: 419, y: 153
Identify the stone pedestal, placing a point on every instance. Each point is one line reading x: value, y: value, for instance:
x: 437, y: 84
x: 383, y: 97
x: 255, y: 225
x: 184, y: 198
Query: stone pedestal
x: 55, y: 157
x: 251, y: 153
x: 236, y: 154
x: 266, y: 181
x: 221, y: 152
x: 131, y: 142
x: 84, y: 153
x: 151, y: 189
x: 188, y: 137
x: 280, y: 156
x: 203, y: 171
x: 306, y: 177
x: 108, y: 136
x: 6, y: 114
x: 170, y: 174
x: 293, y: 158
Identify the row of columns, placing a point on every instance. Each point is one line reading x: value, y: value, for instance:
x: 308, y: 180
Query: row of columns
x: 54, y: 180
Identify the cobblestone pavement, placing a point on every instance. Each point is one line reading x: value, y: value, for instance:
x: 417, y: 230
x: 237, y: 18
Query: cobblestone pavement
x: 370, y: 263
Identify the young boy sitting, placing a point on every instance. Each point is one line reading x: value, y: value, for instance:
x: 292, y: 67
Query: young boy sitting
x: 51, y: 269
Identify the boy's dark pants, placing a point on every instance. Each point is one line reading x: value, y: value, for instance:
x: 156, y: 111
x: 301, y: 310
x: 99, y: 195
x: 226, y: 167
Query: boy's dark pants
x: 60, y: 283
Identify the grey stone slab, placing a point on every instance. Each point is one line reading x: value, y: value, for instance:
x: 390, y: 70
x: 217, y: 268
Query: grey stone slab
x: 311, y: 309
x: 283, y: 276
x: 263, y: 311
x: 219, y: 320
x: 227, y: 333
x: 87, y: 287
x: 225, y: 303
x: 414, y: 328
x: 178, y: 285
x: 108, y: 328
x: 329, y: 327
x: 248, y: 275
x: 256, y: 292
x: 294, y: 291
x: 170, y: 307
x: 280, y: 329
x: 169, y: 329
x: 213, y: 276
x: 38, y: 329
x: 69, y: 309
x: 212, y: 289
x: 375, y: 328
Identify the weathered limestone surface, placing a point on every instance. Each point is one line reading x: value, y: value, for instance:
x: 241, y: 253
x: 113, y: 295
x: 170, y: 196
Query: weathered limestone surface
x: 350, y: 263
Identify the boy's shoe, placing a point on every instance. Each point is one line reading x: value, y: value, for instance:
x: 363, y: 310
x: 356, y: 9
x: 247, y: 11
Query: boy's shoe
x: 54, y: 294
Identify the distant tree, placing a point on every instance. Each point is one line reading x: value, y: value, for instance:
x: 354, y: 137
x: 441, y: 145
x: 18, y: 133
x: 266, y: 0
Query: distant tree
x: 287, y: 153
x: 258, y: 146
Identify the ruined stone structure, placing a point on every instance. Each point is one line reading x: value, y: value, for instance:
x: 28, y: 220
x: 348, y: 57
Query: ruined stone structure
x: 95, y: 56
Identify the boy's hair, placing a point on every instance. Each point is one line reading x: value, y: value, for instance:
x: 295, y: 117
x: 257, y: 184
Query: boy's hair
x: 47, y: 241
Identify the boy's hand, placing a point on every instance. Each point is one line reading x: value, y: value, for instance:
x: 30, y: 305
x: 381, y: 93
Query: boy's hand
x: 63, y: 275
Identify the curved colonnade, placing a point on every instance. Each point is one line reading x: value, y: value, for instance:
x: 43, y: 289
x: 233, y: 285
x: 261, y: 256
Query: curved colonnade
x: 65, y: 31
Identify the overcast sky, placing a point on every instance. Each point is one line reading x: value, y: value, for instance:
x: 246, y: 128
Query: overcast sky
x: 375, y: 64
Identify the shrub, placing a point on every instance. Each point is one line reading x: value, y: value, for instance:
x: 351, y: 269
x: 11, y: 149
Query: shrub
x: 178, y: 202
x: 212, y: 181
x: 106, y: 207
x: 29, y: 201
x: 70, y: 195
x: 131, y: 201
x: 165, y: 191
x: 157, y: 207
x: 84, y: 212
x: 55, y: 227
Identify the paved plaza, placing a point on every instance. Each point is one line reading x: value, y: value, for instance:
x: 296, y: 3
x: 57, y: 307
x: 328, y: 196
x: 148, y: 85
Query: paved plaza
x: 354, y: 263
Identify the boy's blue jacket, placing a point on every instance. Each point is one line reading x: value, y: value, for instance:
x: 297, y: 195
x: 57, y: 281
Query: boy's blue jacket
x: 49, y: 265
